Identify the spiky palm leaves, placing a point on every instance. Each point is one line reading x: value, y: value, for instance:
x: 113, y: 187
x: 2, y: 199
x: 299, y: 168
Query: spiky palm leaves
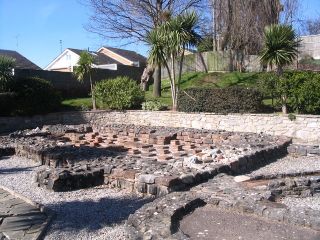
x: 6, y: 66
x: 84, y: 67
x: 281, y: 46
x: 168, y: 43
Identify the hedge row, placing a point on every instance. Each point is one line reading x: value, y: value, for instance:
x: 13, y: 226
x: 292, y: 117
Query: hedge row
x: 220, y: 100
x: 29, y: 96
x: 7, y: 101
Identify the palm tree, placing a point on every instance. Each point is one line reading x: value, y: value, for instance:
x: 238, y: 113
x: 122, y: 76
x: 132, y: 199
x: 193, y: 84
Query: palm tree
x: 84, y: 68
x: 6, y: 67
x: 168, y: 44
x: 280, y: 49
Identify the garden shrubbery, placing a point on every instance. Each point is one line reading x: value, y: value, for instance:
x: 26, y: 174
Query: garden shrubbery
x: 302, y: 89
x: 29, y: 96
x: 119, y: 93
x: 220, y: 100
x: 7, y: 103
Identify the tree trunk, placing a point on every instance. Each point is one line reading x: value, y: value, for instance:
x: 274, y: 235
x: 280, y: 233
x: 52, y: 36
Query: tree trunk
x: 157, y: 82
x: 157, y: 71
x: 181, y: 66
x: 173, y: 85
x: 92, y: 95
x: 144, y: 86
x: 284, y: 105
x: 284, y: 96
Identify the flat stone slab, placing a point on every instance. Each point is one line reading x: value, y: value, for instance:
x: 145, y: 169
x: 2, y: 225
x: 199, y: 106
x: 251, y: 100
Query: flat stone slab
x: 19, y: 219
x: 213, y: 223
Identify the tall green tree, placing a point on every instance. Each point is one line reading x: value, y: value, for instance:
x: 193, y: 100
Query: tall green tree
x: 280, y: 49
x: 6, y: 66
x: 168, y: 44
x: 83, y: 69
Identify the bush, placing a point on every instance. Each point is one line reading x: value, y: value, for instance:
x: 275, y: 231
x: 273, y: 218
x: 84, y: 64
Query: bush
x: 266, y: 83
x: 302, y: 89
x: 154, y: 105
x: 217, y: 100
x: 304, y: 93
x: 7, y: 103
x: 119, y: 93
x: 34, y: 96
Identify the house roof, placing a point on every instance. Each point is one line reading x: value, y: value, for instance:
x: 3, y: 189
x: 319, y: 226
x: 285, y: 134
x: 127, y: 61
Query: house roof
x: 130, y: 55
x: 99, y: 58
x: 20, y: 61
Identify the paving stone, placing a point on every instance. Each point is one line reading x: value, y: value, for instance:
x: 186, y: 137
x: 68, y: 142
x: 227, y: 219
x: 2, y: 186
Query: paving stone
x: 19, y: 220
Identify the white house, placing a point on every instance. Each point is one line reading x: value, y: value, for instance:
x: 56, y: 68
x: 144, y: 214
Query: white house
x: 104, y: 58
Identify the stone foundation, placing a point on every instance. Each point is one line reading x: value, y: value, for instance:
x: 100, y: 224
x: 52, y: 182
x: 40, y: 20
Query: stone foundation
x: 304, y: 150
x: 149, y: 160
x: 160, y: 218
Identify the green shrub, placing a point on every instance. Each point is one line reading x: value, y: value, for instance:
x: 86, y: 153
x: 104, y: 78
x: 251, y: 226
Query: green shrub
x: 267, y: 84
x: 119, y: 93
x: 305, y: 92
x: 7, y: 103
x: 292, y: 117
x: 217, y: 100
x: 154, y: 105
x: 302, y: 89
x: 34, y: 96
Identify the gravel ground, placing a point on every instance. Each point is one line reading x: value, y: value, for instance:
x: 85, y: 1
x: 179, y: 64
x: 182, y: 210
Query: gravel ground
x: 96, y: 213
x: 308, y: 202
x: 290, y: 164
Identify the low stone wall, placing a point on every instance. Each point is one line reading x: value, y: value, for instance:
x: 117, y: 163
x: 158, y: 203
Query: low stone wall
x: 305, y: 128
x: 304, y: 150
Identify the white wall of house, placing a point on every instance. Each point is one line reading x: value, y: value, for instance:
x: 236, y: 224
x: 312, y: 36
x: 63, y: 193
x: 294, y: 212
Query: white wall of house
x: 107, y: 66
x: 310, y: 46
x: 65, y: 62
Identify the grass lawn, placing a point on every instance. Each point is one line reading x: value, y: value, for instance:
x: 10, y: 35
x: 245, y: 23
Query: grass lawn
x: 77, y: 104
x: 204, y: 80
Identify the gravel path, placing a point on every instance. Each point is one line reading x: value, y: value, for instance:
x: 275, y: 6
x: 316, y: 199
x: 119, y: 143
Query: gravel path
x: 96, y: 213
x: 308, y: 202
x: 290, y: 164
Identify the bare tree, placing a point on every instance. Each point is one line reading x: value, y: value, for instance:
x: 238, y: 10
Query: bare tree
x: 313, y: 26
x: 238, y: 26
x: 132, y: 20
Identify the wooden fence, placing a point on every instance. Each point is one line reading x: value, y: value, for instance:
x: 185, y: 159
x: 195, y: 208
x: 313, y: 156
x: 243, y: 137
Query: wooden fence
x: 215, y: 62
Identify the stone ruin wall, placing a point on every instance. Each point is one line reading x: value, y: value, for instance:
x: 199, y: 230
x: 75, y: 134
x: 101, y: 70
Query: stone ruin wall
x: 304, y: 129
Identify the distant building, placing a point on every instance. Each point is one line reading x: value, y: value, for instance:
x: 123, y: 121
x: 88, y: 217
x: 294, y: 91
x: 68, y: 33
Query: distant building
x: 310, y: 46
x: 104, y: 58
x: 21, y: 62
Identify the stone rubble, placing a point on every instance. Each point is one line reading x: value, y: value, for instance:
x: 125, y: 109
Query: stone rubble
x: 160, y: 219
x: 163, y: 162
x: 116, y: 155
